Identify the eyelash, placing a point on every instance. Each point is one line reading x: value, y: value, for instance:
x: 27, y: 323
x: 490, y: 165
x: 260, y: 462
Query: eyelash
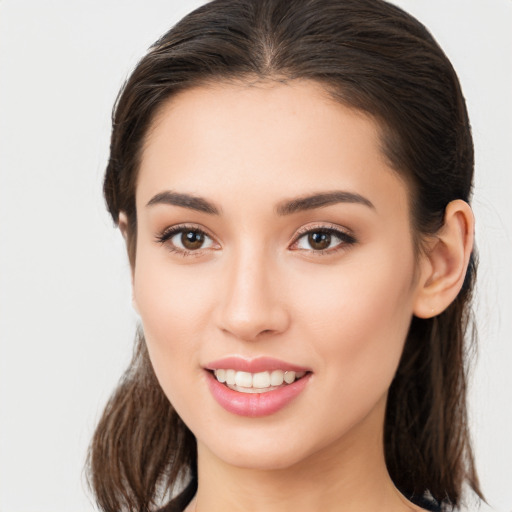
x: 346, y: 239
x: 169, y: 233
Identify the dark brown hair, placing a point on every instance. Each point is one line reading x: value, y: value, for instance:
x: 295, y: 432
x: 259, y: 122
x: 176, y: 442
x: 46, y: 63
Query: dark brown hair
x: 371, y: 56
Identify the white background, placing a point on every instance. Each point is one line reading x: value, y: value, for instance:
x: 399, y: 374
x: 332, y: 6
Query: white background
x: 66, y: 324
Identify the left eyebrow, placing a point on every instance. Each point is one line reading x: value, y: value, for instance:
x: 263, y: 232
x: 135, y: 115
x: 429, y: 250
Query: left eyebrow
x: 320, y: 200
x: 185, y: 201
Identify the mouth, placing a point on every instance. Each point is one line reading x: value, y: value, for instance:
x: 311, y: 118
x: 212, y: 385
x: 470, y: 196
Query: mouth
x: 261, y: 382
x: 256, y: 387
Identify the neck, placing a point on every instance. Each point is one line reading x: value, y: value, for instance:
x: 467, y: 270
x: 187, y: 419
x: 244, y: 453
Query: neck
x: 347, y: 476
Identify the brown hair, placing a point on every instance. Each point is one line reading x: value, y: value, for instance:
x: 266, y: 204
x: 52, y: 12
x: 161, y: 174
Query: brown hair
x: 374, y: 57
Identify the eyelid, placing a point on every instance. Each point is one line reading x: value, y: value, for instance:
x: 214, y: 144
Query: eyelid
x: 345, y: 235
x: 169, y: 232
x: 346, y: 238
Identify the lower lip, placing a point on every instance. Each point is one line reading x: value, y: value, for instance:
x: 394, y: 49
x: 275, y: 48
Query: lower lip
x: 255, y: 404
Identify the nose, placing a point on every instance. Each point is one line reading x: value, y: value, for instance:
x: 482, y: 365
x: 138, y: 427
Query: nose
x: 252, y: 304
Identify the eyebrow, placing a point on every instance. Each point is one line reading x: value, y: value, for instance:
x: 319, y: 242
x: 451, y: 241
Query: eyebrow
x: 288, y: 207
x: 321, y: 200
x: 185, y: 201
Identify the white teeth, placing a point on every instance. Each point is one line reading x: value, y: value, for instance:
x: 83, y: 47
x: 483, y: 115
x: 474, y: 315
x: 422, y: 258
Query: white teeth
x: 230, y: 377
x: 256, y: 382
x: 221, y: 375
x: 289, y: 377
x: 261, y: 380
x: 243, y: 379
x: 276, y: 378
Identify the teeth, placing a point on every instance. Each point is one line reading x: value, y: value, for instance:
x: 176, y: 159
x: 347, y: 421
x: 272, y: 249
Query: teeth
x: 256, y: 382
x: 230, y: 377
x: 243, y: 379
x: 221, y: 375
x: 289, y: 377
x: 276, y: 378
x: 261, y: 380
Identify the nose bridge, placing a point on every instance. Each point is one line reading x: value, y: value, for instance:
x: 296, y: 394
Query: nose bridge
x: 251, y: 303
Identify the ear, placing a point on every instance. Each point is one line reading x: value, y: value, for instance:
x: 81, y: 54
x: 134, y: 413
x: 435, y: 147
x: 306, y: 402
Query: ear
x: 122, y: 222
x: 445, y: 261
x: 123, y: 227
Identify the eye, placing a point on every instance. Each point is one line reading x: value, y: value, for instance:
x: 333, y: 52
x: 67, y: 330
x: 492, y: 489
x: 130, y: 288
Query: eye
x: 185, y: 240
x: 322, y: 240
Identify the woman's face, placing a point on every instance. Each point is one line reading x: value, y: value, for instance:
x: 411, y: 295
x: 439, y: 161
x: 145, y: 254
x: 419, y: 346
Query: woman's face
x: 273, y: 237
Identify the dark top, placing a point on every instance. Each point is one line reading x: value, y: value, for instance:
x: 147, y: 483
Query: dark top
x: 427, y: 503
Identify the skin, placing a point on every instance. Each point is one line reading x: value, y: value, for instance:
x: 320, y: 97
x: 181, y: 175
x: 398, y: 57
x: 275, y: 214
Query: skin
x: 258, y: 288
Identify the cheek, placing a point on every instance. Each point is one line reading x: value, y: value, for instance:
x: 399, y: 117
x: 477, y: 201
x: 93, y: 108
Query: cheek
x: 172, y: 311
x: 171, y: 298
x: 174, y: 304
x: 359, y: 319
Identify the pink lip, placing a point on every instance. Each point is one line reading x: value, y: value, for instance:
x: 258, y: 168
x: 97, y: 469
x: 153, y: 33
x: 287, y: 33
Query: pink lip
x: 259, y: 364
x: 255, y: 404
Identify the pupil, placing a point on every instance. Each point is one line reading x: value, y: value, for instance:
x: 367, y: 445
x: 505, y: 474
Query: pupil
x: 192, y: 239
x: 319, y: 241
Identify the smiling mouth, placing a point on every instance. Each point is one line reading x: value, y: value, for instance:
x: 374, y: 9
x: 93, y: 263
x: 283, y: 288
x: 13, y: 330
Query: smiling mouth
x: 261, y: 382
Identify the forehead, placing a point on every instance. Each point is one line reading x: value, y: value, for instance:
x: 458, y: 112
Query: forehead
x: 272, y: 139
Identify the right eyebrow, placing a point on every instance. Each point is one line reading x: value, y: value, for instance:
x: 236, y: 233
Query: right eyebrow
x: 320, y: 200
x: 185, y: 201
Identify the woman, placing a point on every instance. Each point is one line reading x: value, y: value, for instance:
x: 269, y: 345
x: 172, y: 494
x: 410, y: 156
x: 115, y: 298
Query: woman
x: 292, y: 180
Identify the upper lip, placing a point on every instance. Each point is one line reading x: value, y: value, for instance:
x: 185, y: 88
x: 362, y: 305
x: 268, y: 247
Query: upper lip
x: 255, y: 365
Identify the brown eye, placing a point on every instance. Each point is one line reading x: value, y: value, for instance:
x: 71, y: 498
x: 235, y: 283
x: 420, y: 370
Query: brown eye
x: 192, y: 240
x: 319, y: 240
x: 322, y: 240
x: 186, y: 240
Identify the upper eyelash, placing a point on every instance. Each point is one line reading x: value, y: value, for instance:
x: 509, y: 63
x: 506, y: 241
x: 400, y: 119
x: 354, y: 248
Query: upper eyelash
x: 168, y: 233
x: 347, y: 238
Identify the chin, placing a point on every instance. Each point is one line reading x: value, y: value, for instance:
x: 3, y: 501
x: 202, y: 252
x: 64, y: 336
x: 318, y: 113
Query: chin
x: 268, y: 449
x: 258, y: 459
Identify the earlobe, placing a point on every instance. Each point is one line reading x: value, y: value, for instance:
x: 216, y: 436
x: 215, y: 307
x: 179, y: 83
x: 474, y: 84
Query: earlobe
x: 123, y: 227
x: 444, y: 263
x: 122, y: 222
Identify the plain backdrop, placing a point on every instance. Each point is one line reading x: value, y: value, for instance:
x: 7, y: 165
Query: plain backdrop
x: 66, y: 322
